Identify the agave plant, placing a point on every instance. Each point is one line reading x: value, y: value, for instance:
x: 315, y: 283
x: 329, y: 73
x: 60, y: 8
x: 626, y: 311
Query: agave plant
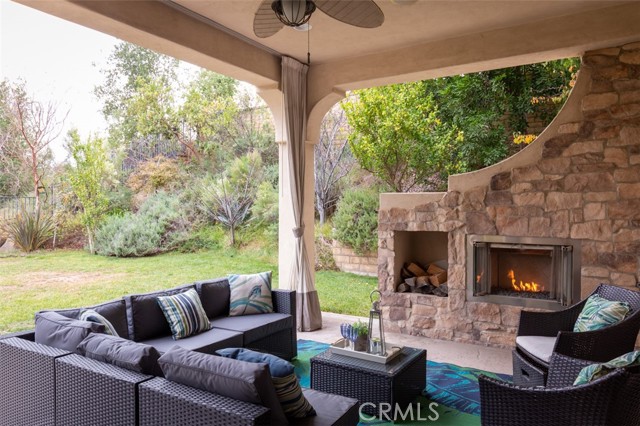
x: 29, y: 230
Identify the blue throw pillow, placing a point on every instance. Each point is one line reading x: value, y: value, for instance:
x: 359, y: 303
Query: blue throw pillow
x: 184, y: 313
x: 93, y: 316
x: 284, y: 379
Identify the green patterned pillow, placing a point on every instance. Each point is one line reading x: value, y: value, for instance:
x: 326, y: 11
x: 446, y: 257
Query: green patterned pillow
x: 250, y: 294
x: 595, y: 371
x: 599, y: 313
x: 184, y: 313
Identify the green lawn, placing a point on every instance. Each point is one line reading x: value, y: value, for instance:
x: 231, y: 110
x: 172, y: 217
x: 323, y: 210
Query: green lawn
x: 66, y: 278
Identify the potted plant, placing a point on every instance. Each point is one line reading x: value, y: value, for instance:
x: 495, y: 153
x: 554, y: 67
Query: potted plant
x: 362, y: 329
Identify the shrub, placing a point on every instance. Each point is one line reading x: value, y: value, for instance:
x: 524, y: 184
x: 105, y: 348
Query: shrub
x: 228, y: 199
x: 128, y: 235
x: 324, y: 248
x: 205, y: 238
x: 356, y: 220
x: 158, y: 226
x: 159, y: 173
x: 264, y: 212
x: 29, y: 230
x: 161, y: 208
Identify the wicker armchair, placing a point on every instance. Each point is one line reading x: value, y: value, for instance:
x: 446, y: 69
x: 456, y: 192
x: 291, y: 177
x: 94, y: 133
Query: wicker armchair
x: 505, y: 404
x: 599, y: 346
x: 625, y: 408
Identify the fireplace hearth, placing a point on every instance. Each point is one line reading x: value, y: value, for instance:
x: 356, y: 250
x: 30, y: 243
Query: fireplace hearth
x: 523, y: 271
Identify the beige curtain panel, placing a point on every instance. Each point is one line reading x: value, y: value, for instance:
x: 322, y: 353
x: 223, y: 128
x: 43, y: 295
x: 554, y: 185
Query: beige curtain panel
x: 294, y: 87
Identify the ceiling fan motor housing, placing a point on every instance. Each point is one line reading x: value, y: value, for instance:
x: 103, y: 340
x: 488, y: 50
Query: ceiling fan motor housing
x: 293, y: 13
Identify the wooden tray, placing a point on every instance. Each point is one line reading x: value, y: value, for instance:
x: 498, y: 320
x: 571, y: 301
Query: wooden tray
x: 338, y: 347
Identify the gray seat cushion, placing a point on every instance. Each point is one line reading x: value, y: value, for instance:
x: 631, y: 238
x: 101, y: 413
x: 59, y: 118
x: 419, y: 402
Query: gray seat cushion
x: 121, y: 352
x: 255, y: 327
x: 330, y: 409
x: 244, y: 381
x: 214, y: 295
x: 206, y: 342
x: 540, y: 347
x: 144, y: 316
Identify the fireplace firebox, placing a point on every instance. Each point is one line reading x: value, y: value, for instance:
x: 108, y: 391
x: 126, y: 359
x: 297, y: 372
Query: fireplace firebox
x: 523, y: 271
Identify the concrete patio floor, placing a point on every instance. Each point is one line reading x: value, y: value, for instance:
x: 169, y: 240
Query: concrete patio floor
x: 463, y: 354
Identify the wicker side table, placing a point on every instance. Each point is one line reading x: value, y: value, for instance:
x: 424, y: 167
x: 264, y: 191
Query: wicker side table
x: 398, y: 382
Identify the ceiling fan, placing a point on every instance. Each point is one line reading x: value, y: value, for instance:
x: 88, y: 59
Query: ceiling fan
x: 272, y: 15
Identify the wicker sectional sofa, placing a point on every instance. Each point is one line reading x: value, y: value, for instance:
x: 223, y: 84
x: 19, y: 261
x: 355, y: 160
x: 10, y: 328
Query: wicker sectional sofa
x: 42, y: 385
x: 139, y: 318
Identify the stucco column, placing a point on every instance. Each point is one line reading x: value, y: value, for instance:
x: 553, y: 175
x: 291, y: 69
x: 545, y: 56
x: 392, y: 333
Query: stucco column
x: 286, y: 249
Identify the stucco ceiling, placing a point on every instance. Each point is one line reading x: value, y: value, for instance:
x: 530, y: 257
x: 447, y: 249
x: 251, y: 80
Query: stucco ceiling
x: 418, y: 40
x: 405, y: 24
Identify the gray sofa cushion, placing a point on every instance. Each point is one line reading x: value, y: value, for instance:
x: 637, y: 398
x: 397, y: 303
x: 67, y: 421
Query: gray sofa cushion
x: 123, y: 353
x: 115, y: 311
x: 255, y: 327
x: 58, y: 331
x: 144, y: 316
x: 214, y: 295
x: 239, y: 380
x: 331, y: 409
x: 206, y: 342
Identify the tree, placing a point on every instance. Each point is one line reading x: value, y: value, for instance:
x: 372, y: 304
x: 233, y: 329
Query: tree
x: 488, y: 113
x: 205, y: 118
x: 399, y: 137
x: 89, y: 178
x: 253, y: 127
x: 130, y: 67
x: 491, y: 107
x: 13, y: 175
x: 32, y: 127
x: 333, y: 161
x: 229, y: 198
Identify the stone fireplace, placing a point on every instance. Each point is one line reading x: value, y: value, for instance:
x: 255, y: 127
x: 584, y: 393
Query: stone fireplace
x: 569, y: 203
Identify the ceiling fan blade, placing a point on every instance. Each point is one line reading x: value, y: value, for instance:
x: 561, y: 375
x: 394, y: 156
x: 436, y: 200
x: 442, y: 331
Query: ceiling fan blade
x: 265, y: 21
x: 361, y: 13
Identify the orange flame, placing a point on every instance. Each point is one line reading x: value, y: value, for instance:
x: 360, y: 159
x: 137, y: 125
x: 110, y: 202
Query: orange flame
x: 532, y: 286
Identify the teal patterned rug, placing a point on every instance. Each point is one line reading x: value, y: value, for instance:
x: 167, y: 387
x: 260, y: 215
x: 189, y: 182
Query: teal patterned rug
x: 454, y: 388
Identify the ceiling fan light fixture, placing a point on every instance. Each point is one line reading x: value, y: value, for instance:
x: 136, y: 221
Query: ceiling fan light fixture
x: 293, y: 13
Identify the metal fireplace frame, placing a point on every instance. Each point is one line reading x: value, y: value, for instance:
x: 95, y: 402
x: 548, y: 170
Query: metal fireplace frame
x: 570, y: 267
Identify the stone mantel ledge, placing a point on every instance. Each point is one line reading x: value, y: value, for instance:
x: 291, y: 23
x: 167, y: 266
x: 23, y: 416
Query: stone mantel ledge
x: 408, y: 201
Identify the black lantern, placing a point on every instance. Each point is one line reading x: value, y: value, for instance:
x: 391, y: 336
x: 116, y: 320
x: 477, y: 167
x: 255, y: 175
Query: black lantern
x: 376, y: 344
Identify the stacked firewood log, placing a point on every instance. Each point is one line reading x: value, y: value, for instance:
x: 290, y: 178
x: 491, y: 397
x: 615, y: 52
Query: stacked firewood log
x: 417, y: 278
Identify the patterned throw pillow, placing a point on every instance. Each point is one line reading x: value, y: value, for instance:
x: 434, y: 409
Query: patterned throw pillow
x: 250, y: 294
x: 184, y: 313
x: 599, y: 313
x: 284, y: 379
x: 93, y: 316
x: 595, y: 371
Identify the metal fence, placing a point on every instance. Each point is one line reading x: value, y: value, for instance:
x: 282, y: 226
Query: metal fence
x: 10, y: 206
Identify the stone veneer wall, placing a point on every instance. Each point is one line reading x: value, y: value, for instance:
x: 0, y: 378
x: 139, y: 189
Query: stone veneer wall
x: 582, y: 182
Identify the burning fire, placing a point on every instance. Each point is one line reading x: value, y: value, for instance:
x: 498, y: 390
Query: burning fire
x: 532, y: 286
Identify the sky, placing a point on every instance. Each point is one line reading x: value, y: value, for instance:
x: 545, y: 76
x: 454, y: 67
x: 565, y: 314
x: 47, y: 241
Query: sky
x: 59, y: 61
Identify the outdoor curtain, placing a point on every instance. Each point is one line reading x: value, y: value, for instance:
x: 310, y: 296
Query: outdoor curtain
x: 294, y: 87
